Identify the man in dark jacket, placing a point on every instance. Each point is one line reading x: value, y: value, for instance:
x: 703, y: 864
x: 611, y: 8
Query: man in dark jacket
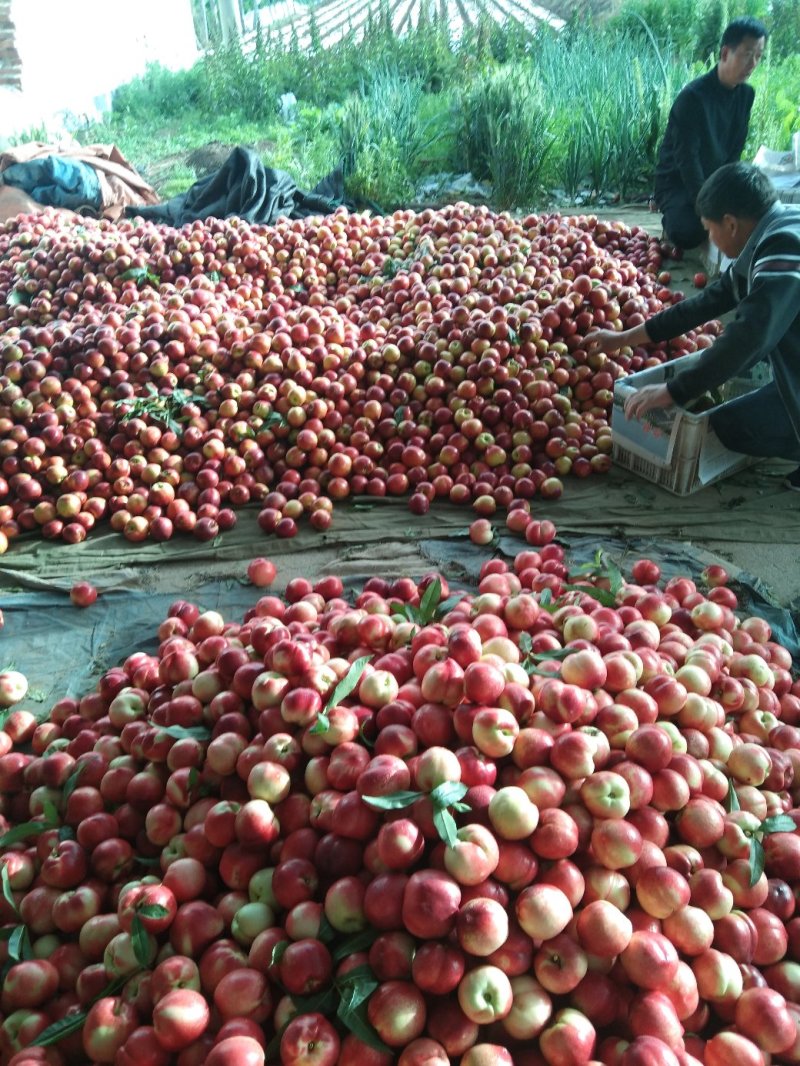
x: 707, y: 128
x: 740, y: 211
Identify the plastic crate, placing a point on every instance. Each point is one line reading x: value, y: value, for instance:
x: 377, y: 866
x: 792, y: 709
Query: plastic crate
x: 672, y: 447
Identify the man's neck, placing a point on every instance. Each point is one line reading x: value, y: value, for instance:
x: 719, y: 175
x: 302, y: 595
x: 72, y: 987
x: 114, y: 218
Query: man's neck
x: 721, y: 78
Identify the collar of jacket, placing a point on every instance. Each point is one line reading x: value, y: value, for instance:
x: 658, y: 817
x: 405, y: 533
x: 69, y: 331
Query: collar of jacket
x: 744, y: 261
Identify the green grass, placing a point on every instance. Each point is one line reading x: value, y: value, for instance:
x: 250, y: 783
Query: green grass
x: 547, y: 118
x: 158, y: 149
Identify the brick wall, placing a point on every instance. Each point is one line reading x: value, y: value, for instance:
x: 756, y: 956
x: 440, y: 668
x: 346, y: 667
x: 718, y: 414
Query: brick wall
x: 10, y: 66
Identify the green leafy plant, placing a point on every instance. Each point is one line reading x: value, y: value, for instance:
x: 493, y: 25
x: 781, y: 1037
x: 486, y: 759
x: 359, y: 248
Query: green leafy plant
x: 140, y: 275
x: 506, y: 107
x: 8, y: 895
x: 430, y: 609
x: 191, y: 732
x: 602, y: 567
x: 168, y: 409
x: 73, y: 1023
x: 585, y: 108
x: 341, y: 691
x: 346, y: 998
x: 775, y: 823
x: 444, y: 798
x: 25, y: 830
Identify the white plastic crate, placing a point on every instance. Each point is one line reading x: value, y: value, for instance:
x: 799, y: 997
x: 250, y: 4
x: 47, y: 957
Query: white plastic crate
x: 671, y: 447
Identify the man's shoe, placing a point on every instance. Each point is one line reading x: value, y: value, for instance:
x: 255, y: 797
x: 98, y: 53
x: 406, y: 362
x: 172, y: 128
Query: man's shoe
x: 793, y: 480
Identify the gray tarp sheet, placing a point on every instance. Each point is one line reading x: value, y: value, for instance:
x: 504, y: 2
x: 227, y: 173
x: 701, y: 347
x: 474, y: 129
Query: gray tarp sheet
x: 63, y: 649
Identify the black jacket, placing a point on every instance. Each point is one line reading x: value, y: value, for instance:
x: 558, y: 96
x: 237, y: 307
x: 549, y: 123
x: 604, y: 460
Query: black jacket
x: 763, y: 285
x: 245, y: 187
x: 707, y: 128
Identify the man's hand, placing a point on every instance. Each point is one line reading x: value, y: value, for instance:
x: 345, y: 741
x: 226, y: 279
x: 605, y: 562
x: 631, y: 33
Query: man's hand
x: 646, y: 399
x: 607, y: 340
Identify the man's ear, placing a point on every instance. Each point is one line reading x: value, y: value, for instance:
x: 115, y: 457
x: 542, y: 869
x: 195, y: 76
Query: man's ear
x: 731, y: 224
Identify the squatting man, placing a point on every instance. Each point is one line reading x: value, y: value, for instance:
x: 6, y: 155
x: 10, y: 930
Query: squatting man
x: 741, y: 213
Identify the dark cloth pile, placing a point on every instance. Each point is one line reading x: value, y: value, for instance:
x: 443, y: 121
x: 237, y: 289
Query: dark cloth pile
x: 243, y: 186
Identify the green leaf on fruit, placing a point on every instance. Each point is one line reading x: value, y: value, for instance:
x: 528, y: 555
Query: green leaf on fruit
x: 140, y: 275
x: 757, y: 860
x: 603, y: 596
x: 23, y: 831
x: 591, y: 567
x: 8, y: 894
x: 214, y: 275
x: 445, y: 606
x: 36, y: 695
x: 531, y: 669
x: 546, y: 601
x: 152, y: 910
x: 447, y: 794
x: 17, y: 299
x: 193, y: 779
x: 778, y: 823
x: 356, y: 986
x: 323, y: 1002
x: 732, y: 799
x: 322, y: 723
x: 192, y: 732
x: 66, y: 832
x: 327, y: 934
x: 395, y: 801
x: 147, y: 860
x: 525, y: 643
x: 273, y: 1048
x: 50, y: 813
x: 355, y: 943
x: 358, y: 1024
x: 446, y: 826
x: 556, y: 653
x: 71, y: 783
x: 140, y: 941
x: 431, y: 599
x: 167, y: 409
x: 19, y: 944
x: 348, y: 683
x: 343, y: 689
x: 404, y: 612
x: 602, y: 566
x: 74, y: 1022
x: 64, y: 1027
x: 362, y: 736
x: 614, y: 575
x: 278, y: 952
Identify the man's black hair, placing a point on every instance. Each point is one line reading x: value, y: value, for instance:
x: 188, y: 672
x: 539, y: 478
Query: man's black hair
x: 746, y: 26
x: 738, y: 189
